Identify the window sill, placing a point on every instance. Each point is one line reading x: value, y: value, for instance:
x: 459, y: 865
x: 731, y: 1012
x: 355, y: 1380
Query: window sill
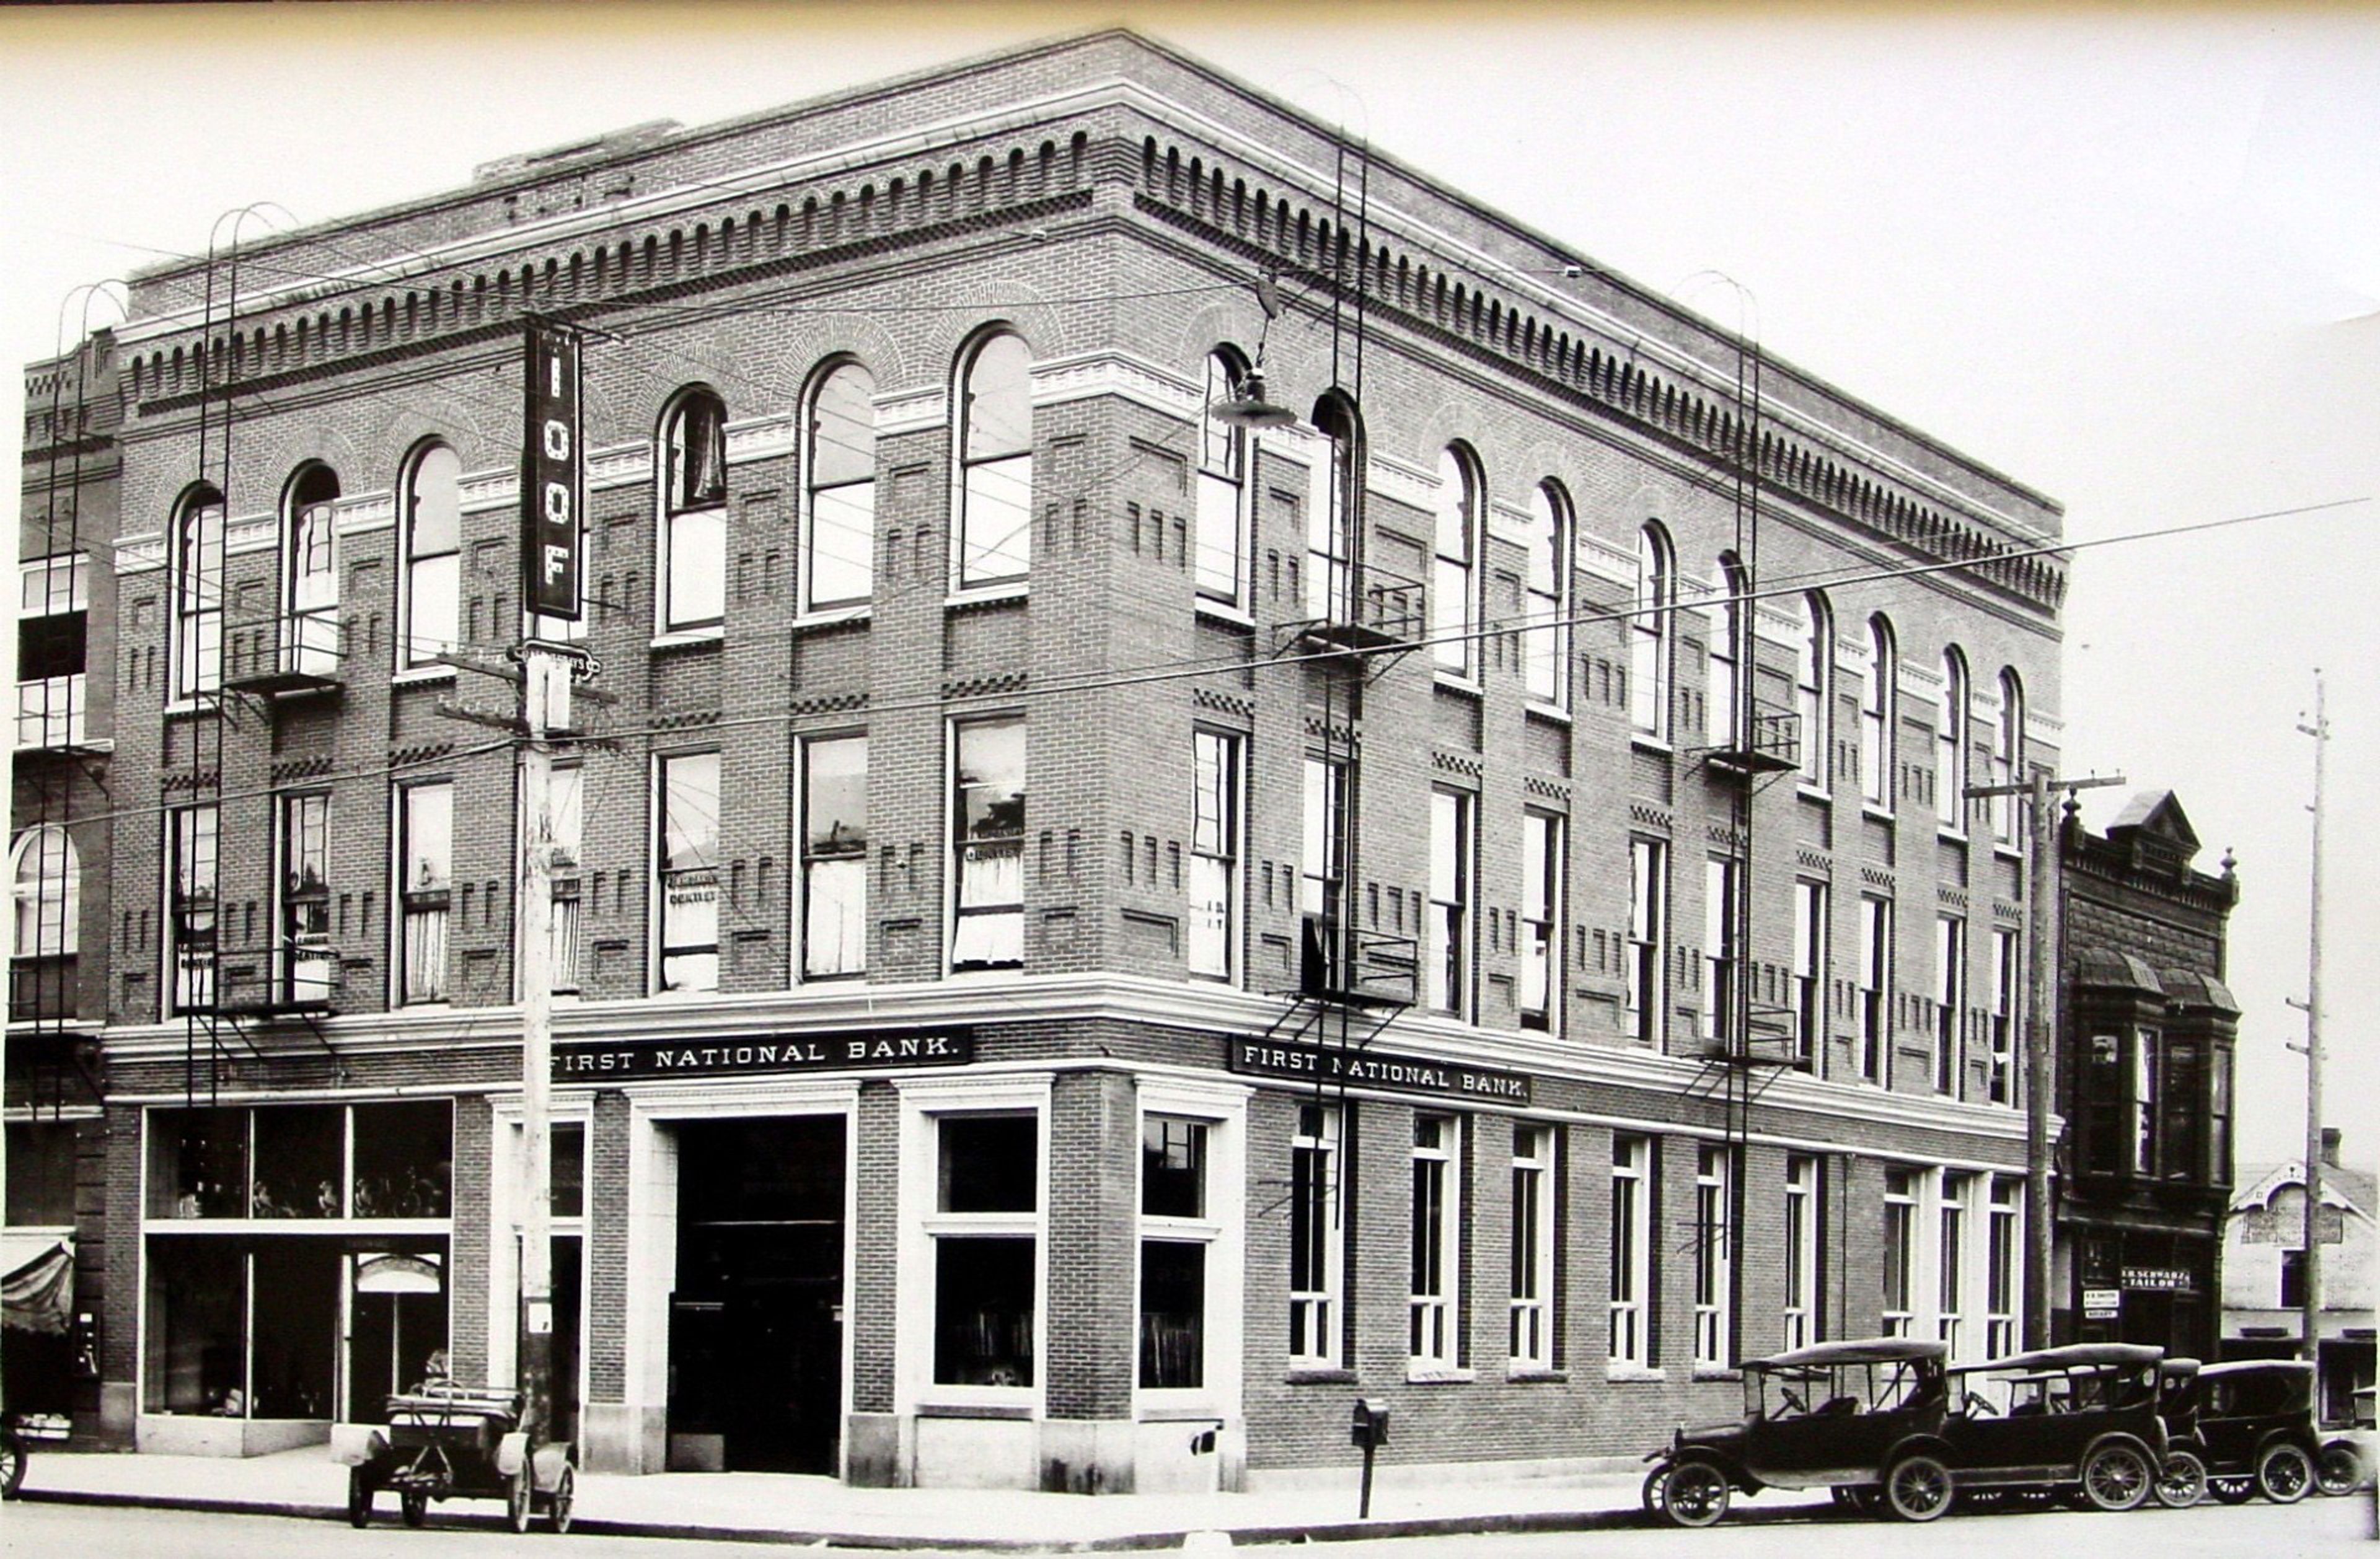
x: 1456, y: 682
x: 680, y: 638
x: 1881, y: 814
x: 1552, y: 714
x: 1438, y: 1375
x: 1951, y: 836
x: 1222, y: 611
x: 1813, y: 795
x: 1010, y: 1410
x: 1523, y: 1374
x: 1646, y: 742
x: 1716, y: 1373
x: 1318, y: 1374
x: 412, y: 674
x: 2008, y: 849
x: 1633, y: 1374
x: 986, y: 595
x: 833, y: 616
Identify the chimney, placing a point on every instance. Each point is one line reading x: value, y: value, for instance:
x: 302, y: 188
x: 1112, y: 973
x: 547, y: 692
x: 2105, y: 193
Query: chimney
x: 2330, y: 1147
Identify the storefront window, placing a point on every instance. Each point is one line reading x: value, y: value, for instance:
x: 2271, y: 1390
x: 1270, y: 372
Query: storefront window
x: 405, y: 1166
x: 297, y: 1156
x: 295, y: 1329
x: 198, y: 1164
x: 985, y: 1261
x: 1174, y: 1236
x: 197, y: 1304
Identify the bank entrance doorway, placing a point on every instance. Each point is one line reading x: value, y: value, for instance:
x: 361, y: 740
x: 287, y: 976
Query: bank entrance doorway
x: 756, y: 1319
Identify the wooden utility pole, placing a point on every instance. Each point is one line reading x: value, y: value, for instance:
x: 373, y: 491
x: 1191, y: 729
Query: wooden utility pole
x: 2040, y: 1033
x: 2310, y: 1275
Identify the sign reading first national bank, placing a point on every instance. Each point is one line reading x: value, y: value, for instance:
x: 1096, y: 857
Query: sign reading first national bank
x: 638, y: 1060
x: 1372, y: 1069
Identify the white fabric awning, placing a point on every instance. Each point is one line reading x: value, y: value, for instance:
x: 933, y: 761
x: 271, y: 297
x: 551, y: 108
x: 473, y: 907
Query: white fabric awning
x: 36, y: 1279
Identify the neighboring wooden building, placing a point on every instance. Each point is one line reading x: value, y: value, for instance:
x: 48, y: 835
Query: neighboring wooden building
x: 2263, y: 1257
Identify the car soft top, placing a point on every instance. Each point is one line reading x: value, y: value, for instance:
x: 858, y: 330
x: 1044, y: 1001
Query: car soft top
x: 1858, y: 1350
x: 2074, y: 1356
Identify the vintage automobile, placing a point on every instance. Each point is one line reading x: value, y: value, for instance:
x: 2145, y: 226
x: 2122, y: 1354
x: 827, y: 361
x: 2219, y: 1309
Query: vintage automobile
x: 1835, y: 1415
x: 445, y: 1442
x: 2080, y: 1421
x: 2255, y: 1430
x: 2182, y: 1482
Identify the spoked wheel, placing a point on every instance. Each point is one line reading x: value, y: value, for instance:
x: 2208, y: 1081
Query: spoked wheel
x: 1917, y: 1488
x: 359, y: 1497
x: 517, y: 1498
x: 2284, y: 1473
x: 2116, y: 1476
x: 2339, y: 1471
x: 2231, y: 1491
x: 557, y: 1504
x: 1650, y: 1494
x: 2183, y: 1481
x: 1694, y: 1493
x: 12, y: 1463
x: 415, y: 1505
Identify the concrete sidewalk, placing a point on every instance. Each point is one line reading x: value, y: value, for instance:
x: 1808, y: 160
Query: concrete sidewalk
x: 767, y: 1507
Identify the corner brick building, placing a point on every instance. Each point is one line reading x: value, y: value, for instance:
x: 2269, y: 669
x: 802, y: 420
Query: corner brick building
x: 1088, y: 936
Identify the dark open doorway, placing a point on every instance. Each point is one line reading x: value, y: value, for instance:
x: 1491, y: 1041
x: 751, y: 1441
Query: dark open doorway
x: 755, y: 1322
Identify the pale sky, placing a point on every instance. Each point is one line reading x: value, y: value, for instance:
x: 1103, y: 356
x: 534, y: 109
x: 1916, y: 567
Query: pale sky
x: 2130, y: 257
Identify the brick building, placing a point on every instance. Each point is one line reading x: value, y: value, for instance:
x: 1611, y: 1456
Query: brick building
x: 1081, y: 923
x: 2146, y: 1163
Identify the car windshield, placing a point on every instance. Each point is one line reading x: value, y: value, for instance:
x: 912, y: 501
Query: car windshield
x: 2102, y: 1389
x: 1775, y: 1391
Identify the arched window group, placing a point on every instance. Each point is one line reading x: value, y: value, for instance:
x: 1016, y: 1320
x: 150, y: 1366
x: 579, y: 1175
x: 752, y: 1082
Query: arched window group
x: 45, y: 886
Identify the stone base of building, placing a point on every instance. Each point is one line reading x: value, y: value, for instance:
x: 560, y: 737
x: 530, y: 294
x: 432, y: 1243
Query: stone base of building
x: 190, y: 1435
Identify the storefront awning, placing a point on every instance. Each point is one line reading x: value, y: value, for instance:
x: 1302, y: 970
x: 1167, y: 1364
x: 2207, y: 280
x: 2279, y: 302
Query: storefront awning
x: 37, y: 1292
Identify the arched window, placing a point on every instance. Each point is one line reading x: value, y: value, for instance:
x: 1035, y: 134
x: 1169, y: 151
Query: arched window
x: 1876, y: 715
x: 1548, y: 589
x: 45, y: 880
x: 1951, y: 744
x: 995, y: 441
x: 1454, y: 581
x: 197, y: 594
x: 839, y: 508
x: 693, y: 588
x: 433, y: 541
x: 1330, y: 512
x: 1814, y: 665
x: 1223, y: 486
x: 1728, y: 728
x: 1648, y: 634
x: 310, y: 578
x: 2007, y: 757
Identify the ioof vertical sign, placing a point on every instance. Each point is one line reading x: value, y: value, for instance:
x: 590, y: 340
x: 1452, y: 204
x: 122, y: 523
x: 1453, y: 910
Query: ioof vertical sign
x: 553, y: 487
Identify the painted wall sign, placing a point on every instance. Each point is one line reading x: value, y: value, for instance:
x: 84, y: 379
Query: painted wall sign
x: 2167, y: 1279
x: 553, y: 486
x: 635, y: 1060
x: 1372, y: 1069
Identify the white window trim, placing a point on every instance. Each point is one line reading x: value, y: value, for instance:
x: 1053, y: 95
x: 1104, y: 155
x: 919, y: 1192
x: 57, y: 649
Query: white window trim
x: 1637, y: 1363
x: 1715, y: 1244
x: 1447, y: 1303
x: 1223, y: 1108
x: 1545, y: 1164
x: 1801, y: 1183
x: 797, y: 899
x: 949, y: 847
x: 1333, y: 1293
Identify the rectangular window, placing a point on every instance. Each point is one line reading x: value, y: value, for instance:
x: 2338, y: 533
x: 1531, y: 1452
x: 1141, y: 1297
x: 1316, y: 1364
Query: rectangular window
x: 1951, y: 1266
x: 2104, y: 1088
x: 2143, y: 1096
x: 304, y: 954
x: 1541, y: 912
x: 2184, y: 1104
x: 1175, y: 1237
x: 1631, y: 1251
x: 1535, y: 1239
x: 1810, y: 911
x: 988, y: 843
x: 1317, y: 1240
x: 191, y: 911
x: 987, y: 1248
x: 1900, y: 1252
x: 1874, y: 990
x: 1713, y: 1258
x: 2000, y: 1273
x: 1449, y: 901
x: 1214, y: 854
x: 1801, y: 1249
x: 53, y: 608
x: 1321, y: 848
x: 1434, y: 1330
x: 834, y: 857
x: 2218, y: 1116
x: 1949, y: 1000
x: 1648, y: 920
x: 425, y: 890
x: 2006, y: 968
x: 565, y: 795
x: 2292, y: 1295
x: 688, y: 861
x: 1722, y: 888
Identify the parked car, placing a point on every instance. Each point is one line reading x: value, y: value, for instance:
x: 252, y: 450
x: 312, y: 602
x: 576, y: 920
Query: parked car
x: 2182, y: 1482
x: 2080, y: 1421
x: 2348, y: 1455
x: 1835, y: 1415
x: 2256, y: 1431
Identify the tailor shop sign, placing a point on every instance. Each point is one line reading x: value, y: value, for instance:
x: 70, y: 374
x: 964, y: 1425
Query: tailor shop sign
x: 640, y: 1060
x: 1371, y: 1068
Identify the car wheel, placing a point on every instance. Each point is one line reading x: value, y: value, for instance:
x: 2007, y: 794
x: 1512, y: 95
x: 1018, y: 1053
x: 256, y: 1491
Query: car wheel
x: 1694, y: 1493
x: 2116, y: 1476
x: 2284, y: 1473
x: 557, y: 1504
x: 2339, y: 1471
x: 12, y: 1464
x: 517, y: 1498
x: 2231, y: 1491
x: 1650, y: 1494
x: 359, y: 1497
x: 1917, y: 1488
x: 415, y: 1506
x: 2183, y: 1481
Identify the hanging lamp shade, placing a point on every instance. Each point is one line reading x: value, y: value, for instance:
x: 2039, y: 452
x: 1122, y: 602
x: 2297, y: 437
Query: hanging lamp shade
x: 1248, y: 407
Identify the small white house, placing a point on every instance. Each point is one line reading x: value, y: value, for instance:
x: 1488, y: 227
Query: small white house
x: 2264, y: 1256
